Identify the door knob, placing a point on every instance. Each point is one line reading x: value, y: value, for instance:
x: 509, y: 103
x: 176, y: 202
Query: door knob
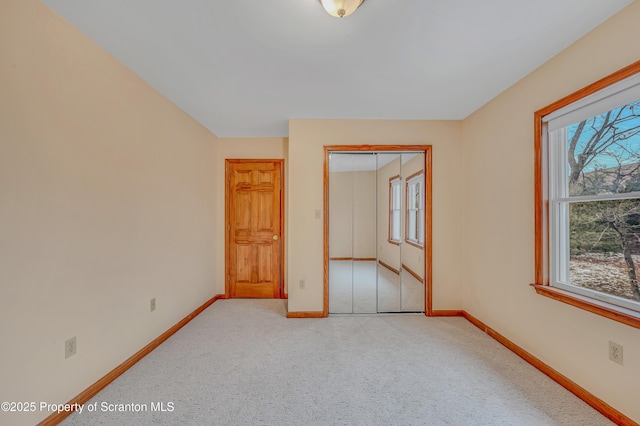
x: 275, y: 237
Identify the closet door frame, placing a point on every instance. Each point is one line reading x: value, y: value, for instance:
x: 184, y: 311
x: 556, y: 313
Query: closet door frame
x: 426, y: 149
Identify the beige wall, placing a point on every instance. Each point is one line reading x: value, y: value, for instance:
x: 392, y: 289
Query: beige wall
x: 388, y: 253
x: 364, y: 213
x: 106, y: 200
x: 305, y: 183
x: 341, y: 214
x: 392, y: 254
x: 412, y: 256
x: 499, y: 223
x: 352, y: 213
x: 227, y: 148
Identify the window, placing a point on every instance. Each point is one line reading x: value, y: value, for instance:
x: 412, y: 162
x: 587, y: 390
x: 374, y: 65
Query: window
x: 588, y: 174
x: 414, y: 233
x: 394, y: 209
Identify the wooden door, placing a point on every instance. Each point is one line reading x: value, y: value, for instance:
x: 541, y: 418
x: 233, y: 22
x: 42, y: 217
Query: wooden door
x: 254, y: 228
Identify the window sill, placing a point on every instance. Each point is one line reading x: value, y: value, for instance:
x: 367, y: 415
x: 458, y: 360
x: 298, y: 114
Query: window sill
x: 411, y: 243
x: 394, y: 242
x: 607, y: 310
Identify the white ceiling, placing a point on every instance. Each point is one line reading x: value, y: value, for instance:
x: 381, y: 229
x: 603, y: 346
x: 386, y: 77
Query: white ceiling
x: 243, y: 68
x: 362, y: 161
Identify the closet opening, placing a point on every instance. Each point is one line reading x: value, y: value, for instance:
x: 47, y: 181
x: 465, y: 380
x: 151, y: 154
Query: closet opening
x: 377, y: 229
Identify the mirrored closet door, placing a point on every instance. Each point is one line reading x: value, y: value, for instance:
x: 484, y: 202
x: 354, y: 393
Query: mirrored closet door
x: 376, y: 232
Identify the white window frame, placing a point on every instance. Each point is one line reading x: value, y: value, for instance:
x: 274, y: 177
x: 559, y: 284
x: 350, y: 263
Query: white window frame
x: 417, y: 211
x: 609, y: 98
x: 395, y: 210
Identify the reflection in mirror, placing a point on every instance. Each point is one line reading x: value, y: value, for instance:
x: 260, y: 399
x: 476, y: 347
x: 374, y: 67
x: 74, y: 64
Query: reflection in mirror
x: 376, y: 236
x: 364, y: 234
x: 389, y: 231
x: 341, y: 178
x: 352, y: 231
x: 412, y: 253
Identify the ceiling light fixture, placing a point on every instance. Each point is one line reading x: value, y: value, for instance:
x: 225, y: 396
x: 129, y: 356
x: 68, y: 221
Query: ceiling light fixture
x: 341, y: 8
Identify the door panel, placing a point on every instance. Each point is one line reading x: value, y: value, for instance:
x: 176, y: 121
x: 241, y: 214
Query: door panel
x: 265, y: 211
x: 254, y: 243
x: 243, y: 211
x: 265, y: 263
x: 243, y: 264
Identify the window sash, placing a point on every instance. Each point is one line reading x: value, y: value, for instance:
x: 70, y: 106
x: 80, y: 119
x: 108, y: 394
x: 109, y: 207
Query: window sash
x: 415, y: 209
x: 559, y: 222
x: 395, y: 204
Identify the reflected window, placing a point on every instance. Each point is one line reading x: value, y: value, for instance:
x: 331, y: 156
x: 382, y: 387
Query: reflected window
x: 415, y: 209
x: 394, y: 209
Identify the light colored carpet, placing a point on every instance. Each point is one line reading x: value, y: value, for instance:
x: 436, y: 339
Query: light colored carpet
x: 242, y: 362
x: 363, y: 287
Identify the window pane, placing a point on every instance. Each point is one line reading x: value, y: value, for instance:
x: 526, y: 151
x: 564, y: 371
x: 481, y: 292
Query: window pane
x: 415, y: 206
x: 605, y: 246
x: 394, y: 210
x: 412, y: 225
x: 603, y: 153
x: 410, y: 196
x: 395, y: 226
x: 396, y: 195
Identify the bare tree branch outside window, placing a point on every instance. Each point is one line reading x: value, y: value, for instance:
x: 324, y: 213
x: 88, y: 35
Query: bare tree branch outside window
x: 604, y: 158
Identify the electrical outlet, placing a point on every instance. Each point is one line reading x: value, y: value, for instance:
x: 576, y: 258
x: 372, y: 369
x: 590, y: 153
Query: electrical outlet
x: 70, y: 347
x: 615, y: 352
x: 153, y: 304
x: 301, y: 284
